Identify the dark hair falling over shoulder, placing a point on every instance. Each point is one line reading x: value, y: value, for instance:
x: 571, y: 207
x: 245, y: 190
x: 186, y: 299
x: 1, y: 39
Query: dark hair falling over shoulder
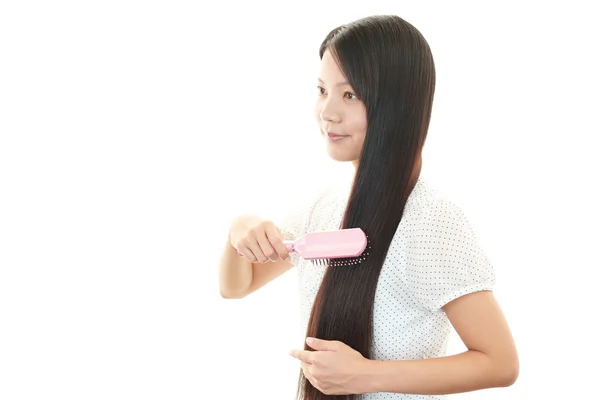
x: 390, y: 66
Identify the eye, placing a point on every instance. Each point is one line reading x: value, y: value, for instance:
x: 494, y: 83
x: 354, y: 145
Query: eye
x: 321, y: 90
x: 351, y: 96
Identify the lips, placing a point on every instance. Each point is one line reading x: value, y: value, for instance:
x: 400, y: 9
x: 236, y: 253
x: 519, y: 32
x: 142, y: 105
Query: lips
x: 334, y: 135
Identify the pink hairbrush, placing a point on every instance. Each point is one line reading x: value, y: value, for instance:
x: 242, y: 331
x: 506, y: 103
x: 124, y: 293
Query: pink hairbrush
x: 335, y: 248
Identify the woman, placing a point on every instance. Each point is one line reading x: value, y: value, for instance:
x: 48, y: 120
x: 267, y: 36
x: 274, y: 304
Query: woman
x: 379, y: 329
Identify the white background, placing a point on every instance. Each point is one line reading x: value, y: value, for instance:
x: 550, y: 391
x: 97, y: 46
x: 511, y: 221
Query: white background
x: 131, y: 133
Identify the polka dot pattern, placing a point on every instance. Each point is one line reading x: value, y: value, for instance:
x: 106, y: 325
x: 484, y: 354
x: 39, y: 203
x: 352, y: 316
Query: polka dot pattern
x: 433, y: 259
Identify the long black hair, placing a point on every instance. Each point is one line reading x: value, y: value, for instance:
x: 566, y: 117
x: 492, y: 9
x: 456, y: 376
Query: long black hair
x: 389, y: 64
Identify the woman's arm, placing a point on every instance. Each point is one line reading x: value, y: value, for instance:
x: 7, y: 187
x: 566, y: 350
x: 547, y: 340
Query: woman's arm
x: 239, y: 277
x: 490, y: 361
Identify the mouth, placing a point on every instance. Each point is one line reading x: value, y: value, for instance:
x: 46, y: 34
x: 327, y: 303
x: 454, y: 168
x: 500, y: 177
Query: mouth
x: 334, y: 137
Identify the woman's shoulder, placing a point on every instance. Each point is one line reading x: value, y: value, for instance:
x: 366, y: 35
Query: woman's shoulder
x: 443, y: 257
x: 429, y: 205
x: 433, y: 218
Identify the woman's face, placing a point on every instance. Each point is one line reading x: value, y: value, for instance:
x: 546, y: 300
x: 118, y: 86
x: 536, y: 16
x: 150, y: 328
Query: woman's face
x: 341, y: 116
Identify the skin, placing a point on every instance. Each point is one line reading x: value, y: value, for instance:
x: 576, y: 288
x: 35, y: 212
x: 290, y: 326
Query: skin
x: 334, y: 368
x: 339, y: 110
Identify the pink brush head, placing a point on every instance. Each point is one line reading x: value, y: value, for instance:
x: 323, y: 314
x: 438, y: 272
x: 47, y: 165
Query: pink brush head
x: 343, y: 247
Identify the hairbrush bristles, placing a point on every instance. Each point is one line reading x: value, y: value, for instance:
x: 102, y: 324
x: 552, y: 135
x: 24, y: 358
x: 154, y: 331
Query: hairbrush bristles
x: 344, y: 262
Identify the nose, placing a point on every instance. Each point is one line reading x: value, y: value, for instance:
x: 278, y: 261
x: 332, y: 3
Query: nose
x: 330, y: 111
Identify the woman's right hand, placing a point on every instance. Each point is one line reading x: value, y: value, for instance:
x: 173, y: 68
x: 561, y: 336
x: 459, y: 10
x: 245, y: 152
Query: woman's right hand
x: 258, y: 240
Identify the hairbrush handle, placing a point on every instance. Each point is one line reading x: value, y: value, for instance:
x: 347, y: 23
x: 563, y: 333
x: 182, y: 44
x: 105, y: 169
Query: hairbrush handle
x: 289, y: 246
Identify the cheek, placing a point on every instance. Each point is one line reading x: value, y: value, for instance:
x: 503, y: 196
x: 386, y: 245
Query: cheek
x: 360, y: 125
x: 317, y: 110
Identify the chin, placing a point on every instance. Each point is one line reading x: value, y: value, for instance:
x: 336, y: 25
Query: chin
x: 341, y: 156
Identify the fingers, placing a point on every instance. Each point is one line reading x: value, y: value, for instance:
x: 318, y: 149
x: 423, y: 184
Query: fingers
x: 304, y: 355
x: 250, y: 249
x: 262, y: 244
x: 257, y: 250
x: 307, y: 373
x: 245, y: 252
x: 324, y: 345
x: 267, y: 250
x: 274, y: 237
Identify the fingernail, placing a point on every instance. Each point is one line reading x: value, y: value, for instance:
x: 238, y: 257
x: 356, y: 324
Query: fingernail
x: 309, y: 340
x: 288, y: 259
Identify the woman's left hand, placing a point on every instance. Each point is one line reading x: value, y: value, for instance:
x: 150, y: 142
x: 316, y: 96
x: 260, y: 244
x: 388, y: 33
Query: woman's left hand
x: 334, y: 367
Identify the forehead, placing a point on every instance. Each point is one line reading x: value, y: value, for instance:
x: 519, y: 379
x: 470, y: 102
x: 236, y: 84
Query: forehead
x: 330, y: 72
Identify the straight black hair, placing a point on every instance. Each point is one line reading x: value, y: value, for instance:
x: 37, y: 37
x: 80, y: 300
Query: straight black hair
x: 389, y: 64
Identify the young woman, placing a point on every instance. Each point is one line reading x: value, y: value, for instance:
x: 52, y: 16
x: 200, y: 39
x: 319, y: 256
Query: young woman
x: 379, y: 329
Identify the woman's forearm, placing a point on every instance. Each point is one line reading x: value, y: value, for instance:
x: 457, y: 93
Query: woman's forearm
x: 465, y: 372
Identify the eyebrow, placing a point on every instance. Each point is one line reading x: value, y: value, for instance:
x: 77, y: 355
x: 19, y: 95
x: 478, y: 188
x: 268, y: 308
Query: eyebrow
x: 337, y: 84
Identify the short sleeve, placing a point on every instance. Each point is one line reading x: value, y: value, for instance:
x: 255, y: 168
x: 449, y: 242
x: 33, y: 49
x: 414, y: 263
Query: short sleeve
x: 444, y: 260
